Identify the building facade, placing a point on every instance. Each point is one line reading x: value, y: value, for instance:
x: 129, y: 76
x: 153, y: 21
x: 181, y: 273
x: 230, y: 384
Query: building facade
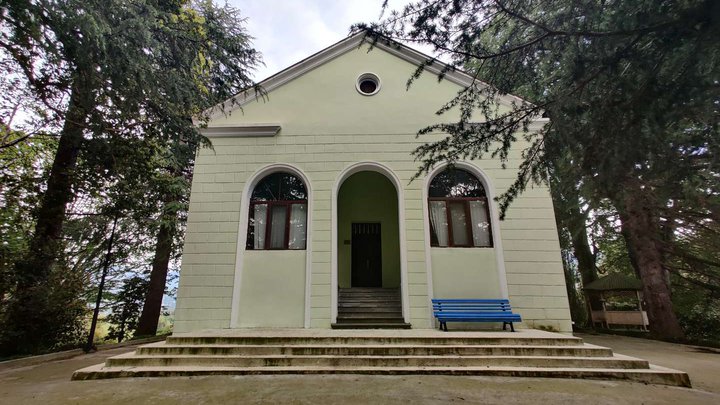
x: 307, y: 191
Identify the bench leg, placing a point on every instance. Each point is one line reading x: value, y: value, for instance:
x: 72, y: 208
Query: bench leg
x: 505, y: 324
x: 443, y: 326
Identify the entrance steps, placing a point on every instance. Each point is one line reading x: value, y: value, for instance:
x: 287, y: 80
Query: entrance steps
x: 369, y: 308
x: 526, y: 353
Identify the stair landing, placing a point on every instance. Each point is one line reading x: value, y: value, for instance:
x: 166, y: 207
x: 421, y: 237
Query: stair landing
x: 526, y: 353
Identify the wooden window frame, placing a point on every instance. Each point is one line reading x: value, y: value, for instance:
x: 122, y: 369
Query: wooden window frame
x: 268, y: 222
x: 468, y: 228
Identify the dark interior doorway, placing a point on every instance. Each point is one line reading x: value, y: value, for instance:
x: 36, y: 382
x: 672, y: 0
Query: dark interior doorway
x: 366, y: 255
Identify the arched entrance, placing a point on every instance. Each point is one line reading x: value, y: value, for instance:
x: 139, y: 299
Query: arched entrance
x: 369, y: 272
x: 368, y: 233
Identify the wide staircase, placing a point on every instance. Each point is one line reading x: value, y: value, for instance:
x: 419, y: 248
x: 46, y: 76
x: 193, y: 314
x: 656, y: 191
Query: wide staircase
x: 370, y: 308
x: 526, y: 353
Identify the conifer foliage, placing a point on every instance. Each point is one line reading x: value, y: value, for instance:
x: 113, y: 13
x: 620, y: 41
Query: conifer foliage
x: 107, y: 72
x: 631, y: 89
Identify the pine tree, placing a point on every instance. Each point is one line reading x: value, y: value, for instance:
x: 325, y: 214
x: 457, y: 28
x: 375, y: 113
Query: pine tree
x: 631, y: 90
x: 109, y: 69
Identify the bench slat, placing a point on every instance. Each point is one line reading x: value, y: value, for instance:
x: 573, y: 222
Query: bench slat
x: 470, y: 308
x: 460, y: 300
x: 474, y: 310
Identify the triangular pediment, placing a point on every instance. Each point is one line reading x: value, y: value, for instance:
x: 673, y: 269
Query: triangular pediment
x: 352, y: 43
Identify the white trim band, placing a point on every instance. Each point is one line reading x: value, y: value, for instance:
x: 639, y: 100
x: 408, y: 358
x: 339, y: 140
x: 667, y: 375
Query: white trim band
x: 245, y: 131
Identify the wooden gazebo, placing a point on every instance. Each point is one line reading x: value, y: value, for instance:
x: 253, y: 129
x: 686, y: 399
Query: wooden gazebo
x: 614, y: 286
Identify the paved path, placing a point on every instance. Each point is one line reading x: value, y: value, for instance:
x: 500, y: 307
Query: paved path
x: 701, y: 364
x: 50, y: 383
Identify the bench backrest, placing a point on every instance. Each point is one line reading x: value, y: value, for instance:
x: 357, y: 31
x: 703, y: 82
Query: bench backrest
x: 471, y: 305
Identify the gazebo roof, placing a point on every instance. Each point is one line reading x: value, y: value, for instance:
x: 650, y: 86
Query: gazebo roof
x: 615, y: 282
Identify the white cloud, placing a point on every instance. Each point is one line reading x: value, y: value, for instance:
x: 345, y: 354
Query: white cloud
x: 287, y: 31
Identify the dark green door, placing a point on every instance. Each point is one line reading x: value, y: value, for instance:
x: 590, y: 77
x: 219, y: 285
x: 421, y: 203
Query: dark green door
x: 366, y: 255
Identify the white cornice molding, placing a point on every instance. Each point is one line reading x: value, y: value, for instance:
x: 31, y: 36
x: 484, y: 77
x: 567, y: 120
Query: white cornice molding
x: 244, y: 131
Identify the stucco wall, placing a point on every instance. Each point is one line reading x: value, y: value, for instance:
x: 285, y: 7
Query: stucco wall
x: 272, y: 292
x: 465, y: 273
x: 369, y: 197
x: 326, y: 127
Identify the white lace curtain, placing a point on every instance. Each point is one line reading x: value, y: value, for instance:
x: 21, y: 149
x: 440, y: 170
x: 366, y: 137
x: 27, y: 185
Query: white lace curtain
x: 278, y: 217
x: 438, y: 216
x: 480, y: 223
x: 277, y: 227
x: 298, y: 226
x: 260, y: 217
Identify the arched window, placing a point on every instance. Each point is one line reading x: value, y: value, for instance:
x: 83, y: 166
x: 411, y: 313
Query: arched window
x: 459, y: 212
x: 278, y: 213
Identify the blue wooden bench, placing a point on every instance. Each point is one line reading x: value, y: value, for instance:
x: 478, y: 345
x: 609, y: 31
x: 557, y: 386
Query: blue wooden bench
x: 474, y: 310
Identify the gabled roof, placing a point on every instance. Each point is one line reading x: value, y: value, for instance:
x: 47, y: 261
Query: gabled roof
x: 341, y: 47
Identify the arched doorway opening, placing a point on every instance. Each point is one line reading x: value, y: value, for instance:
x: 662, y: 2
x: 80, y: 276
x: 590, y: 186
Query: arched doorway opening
x: 369, y: 272
x: 368, y: 232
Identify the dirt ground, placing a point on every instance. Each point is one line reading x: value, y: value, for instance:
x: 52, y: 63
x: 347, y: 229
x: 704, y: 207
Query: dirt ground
x: 701, y: 364
x: 50, y: 383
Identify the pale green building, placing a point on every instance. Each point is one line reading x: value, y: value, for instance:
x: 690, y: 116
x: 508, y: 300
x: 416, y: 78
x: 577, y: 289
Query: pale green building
x: 303, y: 213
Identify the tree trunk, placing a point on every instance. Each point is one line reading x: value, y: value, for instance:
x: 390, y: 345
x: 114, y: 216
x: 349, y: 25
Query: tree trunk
x: 630, y: 249
x: 578, y: 310
x: 123, y: 320
x: 641, y: 228
x: 26, y: 312
x: 569, y: 215
x: 46, y: 242
x: 147, y: 325
x: 583, y: 254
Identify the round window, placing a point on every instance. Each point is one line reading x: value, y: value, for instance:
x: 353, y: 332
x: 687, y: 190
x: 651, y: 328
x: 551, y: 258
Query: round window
x: 368, y: 84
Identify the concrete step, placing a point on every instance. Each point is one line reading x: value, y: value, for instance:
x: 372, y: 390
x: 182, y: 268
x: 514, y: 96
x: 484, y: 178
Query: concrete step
x: 654, y: 375
x: 448, y: 338
x: 388, y: 291
x: 369, y: 300
x: 375, y: 350
x: 615, y: 362
x: 370, y: 293
x: 370, y: 309
x: 373, y: 321
x: 353, y: 311
x: 526, y: 353
x: 373, y: 304
x: 370, y: 324
x: 369, y: 315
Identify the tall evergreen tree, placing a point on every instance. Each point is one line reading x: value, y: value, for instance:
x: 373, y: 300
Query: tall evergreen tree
x: 173, y: 192
x: 629, y: 88
x: 110, y: 69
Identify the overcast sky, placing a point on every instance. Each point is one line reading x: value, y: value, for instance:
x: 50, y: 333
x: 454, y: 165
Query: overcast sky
x: 287, y: 31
